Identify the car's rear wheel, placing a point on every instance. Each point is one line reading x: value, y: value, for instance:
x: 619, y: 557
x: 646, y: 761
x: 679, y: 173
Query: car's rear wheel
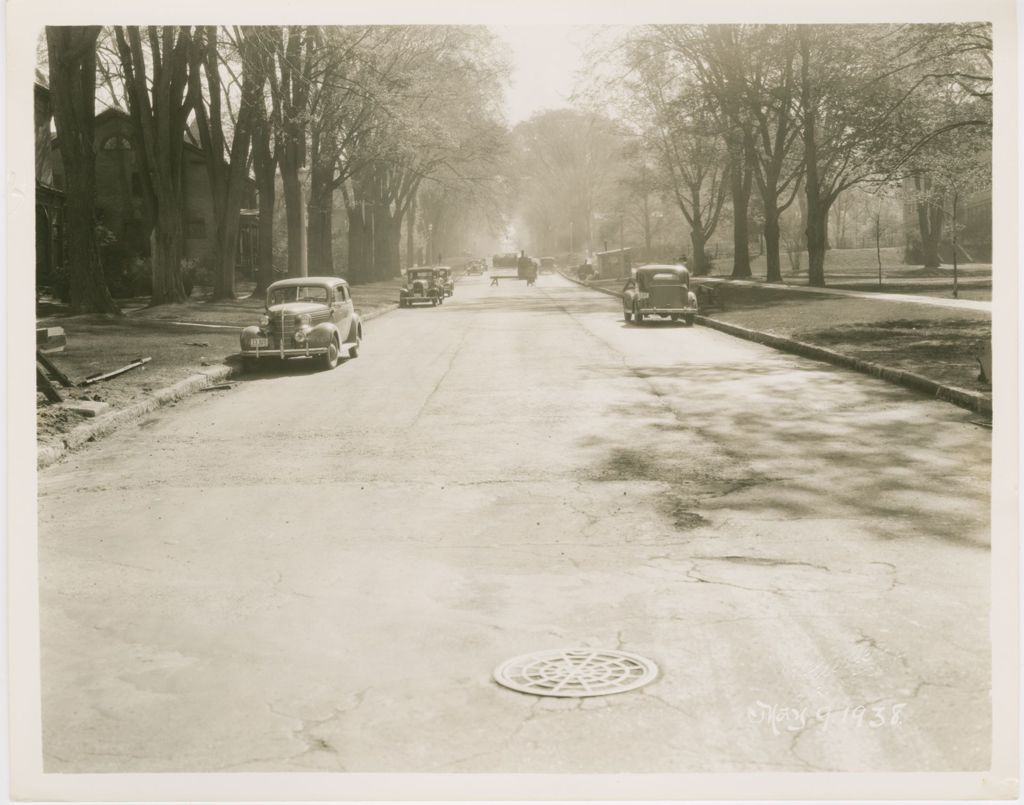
x: 674, y: 317
x: 330, y: 358
x: 688, y: 321
x: 627, y: 316
x: 638, y: 316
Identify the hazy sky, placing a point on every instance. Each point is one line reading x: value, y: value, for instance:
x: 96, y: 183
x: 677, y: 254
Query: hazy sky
x: 545, y: 59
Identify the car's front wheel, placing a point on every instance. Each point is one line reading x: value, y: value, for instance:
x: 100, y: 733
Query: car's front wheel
x: 330, y: 358
x: 688, y: 321
x: 627, y: 316
x: 638, y: 316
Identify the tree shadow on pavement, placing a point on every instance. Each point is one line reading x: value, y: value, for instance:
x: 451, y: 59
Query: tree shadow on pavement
x: 781, y: 441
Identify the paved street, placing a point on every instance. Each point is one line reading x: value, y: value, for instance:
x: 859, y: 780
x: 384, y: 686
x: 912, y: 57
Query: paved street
x: 319, y: 571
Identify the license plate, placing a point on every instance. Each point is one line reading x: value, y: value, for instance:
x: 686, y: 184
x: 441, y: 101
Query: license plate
x: 260, y: 342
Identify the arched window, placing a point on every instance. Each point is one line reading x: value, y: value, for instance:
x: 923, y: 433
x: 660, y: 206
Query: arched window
x: 117, y: 142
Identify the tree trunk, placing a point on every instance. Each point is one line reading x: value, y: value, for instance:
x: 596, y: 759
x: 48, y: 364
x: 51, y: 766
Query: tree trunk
x: 699, y: 263
x: 817, y: 242
x: 159, y: 129
x: 358, y: 253
x: 410, y: 234
x: 771, y: 241
x: 167, y: 256
x: 226, y: 178
x: 72, y: 57
x: 265, y: 171
x: 817, y: 204
x: 930, y: 219
x: 295, y: 210
x: 739, y: 188
x: 394, y: 250
x: 321, y: 235
x: 385, y: 245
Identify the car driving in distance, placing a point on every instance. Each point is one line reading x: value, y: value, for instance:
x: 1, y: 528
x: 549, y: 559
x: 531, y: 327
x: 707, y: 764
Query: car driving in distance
x: 305, y: 317
x: 422, y: 285
x: 659, y: 290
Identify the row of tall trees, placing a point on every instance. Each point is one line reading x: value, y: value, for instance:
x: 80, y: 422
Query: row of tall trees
x: 804, y: 112
x: 370, y: 113
x: 567, y: 169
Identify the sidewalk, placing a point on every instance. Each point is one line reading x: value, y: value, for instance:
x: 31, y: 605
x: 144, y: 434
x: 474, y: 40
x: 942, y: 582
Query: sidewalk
x: 955, y: 304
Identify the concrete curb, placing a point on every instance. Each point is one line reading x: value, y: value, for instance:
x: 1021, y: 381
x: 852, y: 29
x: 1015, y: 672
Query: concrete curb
x: 970, y: 400
x: 87, y: 432
x: 47, y: 454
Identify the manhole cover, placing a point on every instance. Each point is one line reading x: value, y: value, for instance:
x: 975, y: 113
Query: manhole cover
x: 576, y: 672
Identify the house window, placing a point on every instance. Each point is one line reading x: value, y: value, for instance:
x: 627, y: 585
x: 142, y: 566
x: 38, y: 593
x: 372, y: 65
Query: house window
x: 195, y: 228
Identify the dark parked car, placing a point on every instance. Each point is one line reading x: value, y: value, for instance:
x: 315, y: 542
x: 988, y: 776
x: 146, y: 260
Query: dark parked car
x: 659, y: 290
x: 421, y: 285
x: 306, y: 317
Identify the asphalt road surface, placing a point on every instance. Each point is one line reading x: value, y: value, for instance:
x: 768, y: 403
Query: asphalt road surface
x: 319, y: 571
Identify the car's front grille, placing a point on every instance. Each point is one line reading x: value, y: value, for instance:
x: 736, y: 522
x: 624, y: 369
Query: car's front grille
x: 290, y: 324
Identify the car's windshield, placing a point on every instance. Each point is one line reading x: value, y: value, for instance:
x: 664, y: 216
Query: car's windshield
x: 298, y: 293
x: 420, y: 275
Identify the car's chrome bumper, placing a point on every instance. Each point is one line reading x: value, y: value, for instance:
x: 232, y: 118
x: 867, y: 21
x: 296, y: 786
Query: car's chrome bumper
x: 418, y: 298
x: 297, y: 352
x: 667, y: 311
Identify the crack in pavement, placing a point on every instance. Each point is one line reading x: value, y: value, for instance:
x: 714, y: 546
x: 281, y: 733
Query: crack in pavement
x: 305, y: 731
x: 444, y: 375
x: 763, y: 561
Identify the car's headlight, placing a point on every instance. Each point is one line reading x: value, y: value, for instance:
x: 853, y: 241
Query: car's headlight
x: 264, y: 320
x: 300, y: 336
x: 302, y: 320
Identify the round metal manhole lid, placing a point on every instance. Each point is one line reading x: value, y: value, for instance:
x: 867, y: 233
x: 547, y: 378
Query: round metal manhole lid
x: 576, y: 672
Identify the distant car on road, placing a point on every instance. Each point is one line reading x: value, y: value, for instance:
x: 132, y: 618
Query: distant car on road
x: 547, y: 265
x: 306, y: 317
x: 446, y: 280
x: 659, y: 290
x: 474, y: 268
x: 421, y: 285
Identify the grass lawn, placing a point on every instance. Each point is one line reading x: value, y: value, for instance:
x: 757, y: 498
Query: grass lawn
x: 100, y: 344
x: 939, y: 343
